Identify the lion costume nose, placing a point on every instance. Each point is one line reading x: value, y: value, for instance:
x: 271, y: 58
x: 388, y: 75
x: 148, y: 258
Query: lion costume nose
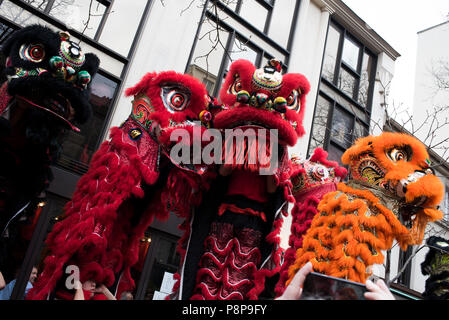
x: 401, y: 189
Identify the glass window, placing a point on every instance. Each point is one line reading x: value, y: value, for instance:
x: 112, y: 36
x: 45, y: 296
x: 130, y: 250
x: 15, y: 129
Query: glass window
x: 15, y: 13
x: 365, y: 77
x: 360, y: 130
x: 209, y: 51
x: 16, y: 239
x: 82, y: 15
x: 254, y: 13
x: 351, y: 53
x: 446, y: 204
x: 164, y: 261
x: 346, y: 75
x: 78, y: 147
x: 118, y: 35
x: 5, y: 31
x: 281, y: 20
x: 320, y: 128
x: 241, y: 50
x: 342, y: 127
x: 231, y: 4
x: 330, y: 55
x: 347, y: 82
x: 334, y: 153
x: 39, y: 4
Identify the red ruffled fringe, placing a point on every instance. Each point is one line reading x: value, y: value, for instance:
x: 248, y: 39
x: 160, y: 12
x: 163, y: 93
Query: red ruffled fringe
x: 116, y: 172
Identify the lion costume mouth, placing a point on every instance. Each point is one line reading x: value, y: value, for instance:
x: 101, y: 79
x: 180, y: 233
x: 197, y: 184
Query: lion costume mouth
x: 246, y: 115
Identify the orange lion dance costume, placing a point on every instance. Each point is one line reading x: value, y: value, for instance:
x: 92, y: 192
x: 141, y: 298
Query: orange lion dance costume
x: 392, y: 194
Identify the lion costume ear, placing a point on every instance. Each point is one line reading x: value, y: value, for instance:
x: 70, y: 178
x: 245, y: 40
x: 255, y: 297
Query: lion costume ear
x: 361, y: 146
x: 240, y: 70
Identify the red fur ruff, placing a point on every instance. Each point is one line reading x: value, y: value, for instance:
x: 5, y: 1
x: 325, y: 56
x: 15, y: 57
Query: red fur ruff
x: 302, y: 215
x: 311, y: 181
x: 88, y: 232
x: 4, y: 97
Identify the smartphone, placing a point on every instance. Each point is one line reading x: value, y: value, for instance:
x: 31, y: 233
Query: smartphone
x: 318, y: 286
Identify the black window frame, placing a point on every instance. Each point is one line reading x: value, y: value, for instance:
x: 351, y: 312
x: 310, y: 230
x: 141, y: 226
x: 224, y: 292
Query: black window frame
x: 405, y: 277
x: 329, y: 140
x: 266, y: 4
x: 233, y: 34
x: 340, y: 64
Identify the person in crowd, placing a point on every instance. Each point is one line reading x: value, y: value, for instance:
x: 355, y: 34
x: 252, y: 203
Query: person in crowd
x: 6, y: 292
x: 2, y: 281
x: 89, y: 290
x: 126, y: 295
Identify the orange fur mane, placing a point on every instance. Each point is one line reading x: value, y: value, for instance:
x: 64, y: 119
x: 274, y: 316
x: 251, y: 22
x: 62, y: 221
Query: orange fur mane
x: 363, y: 217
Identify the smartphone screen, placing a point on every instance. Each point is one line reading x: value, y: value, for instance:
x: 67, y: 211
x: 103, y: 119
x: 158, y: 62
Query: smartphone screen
x: 318, y: 286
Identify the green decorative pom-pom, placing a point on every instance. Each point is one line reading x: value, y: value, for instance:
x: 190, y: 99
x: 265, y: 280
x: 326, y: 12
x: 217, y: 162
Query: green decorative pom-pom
x: 84, y: 77
x: 56, y: 62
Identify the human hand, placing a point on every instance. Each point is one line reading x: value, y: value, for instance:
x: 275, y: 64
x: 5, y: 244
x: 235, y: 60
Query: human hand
x: 378, y: 291
x: 100, y: 289
x: 294, y: 289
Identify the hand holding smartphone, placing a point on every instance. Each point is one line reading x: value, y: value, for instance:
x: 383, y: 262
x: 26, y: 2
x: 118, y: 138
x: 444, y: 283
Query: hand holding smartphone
x: 318, y: 286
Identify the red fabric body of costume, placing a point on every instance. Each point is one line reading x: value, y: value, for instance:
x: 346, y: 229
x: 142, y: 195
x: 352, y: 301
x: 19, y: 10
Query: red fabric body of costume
x: 228, y: 264
x: 305, y: 208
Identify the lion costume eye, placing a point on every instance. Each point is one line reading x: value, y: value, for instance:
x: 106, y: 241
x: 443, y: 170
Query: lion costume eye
x: 293, y: 100
x: 174, y: 98
x: 236, y: 86
x: 32, y: 52
x: 397, y: 154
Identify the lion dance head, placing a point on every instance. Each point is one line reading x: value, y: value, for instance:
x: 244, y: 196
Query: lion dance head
x: 399, y: 166
x: 391, y: 195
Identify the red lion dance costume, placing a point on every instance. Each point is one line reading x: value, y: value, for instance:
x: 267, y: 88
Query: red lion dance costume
x: 231, y: 239
x: 311, y: 180
x: 131, y: 180
x: 234, y: 237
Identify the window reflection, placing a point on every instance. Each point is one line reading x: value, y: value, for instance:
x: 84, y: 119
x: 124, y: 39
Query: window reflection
x: 446, y: 204
x: 334, y: 153
x: 360, y: 130
x: 330, y: 55
x: 342, y: 127
x: 82, y: 15
x: 241, y: 50
x: 209, y: 53
x: 5, y: 31
x: 254, y: 13
x: 365, y: 77
x: 78, y: 147
x: 351, y: 53
x: 319, y: 129
x: 231, y: 4
x: 15, y: 13
x: 164, y: 263
x: 346, y: 82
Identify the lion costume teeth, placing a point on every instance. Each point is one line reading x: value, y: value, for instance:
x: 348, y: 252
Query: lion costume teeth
x: 364, y: 216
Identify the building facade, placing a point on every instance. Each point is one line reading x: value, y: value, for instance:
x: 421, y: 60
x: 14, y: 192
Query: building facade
x: 343, y: 58
x: 430, y: 114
